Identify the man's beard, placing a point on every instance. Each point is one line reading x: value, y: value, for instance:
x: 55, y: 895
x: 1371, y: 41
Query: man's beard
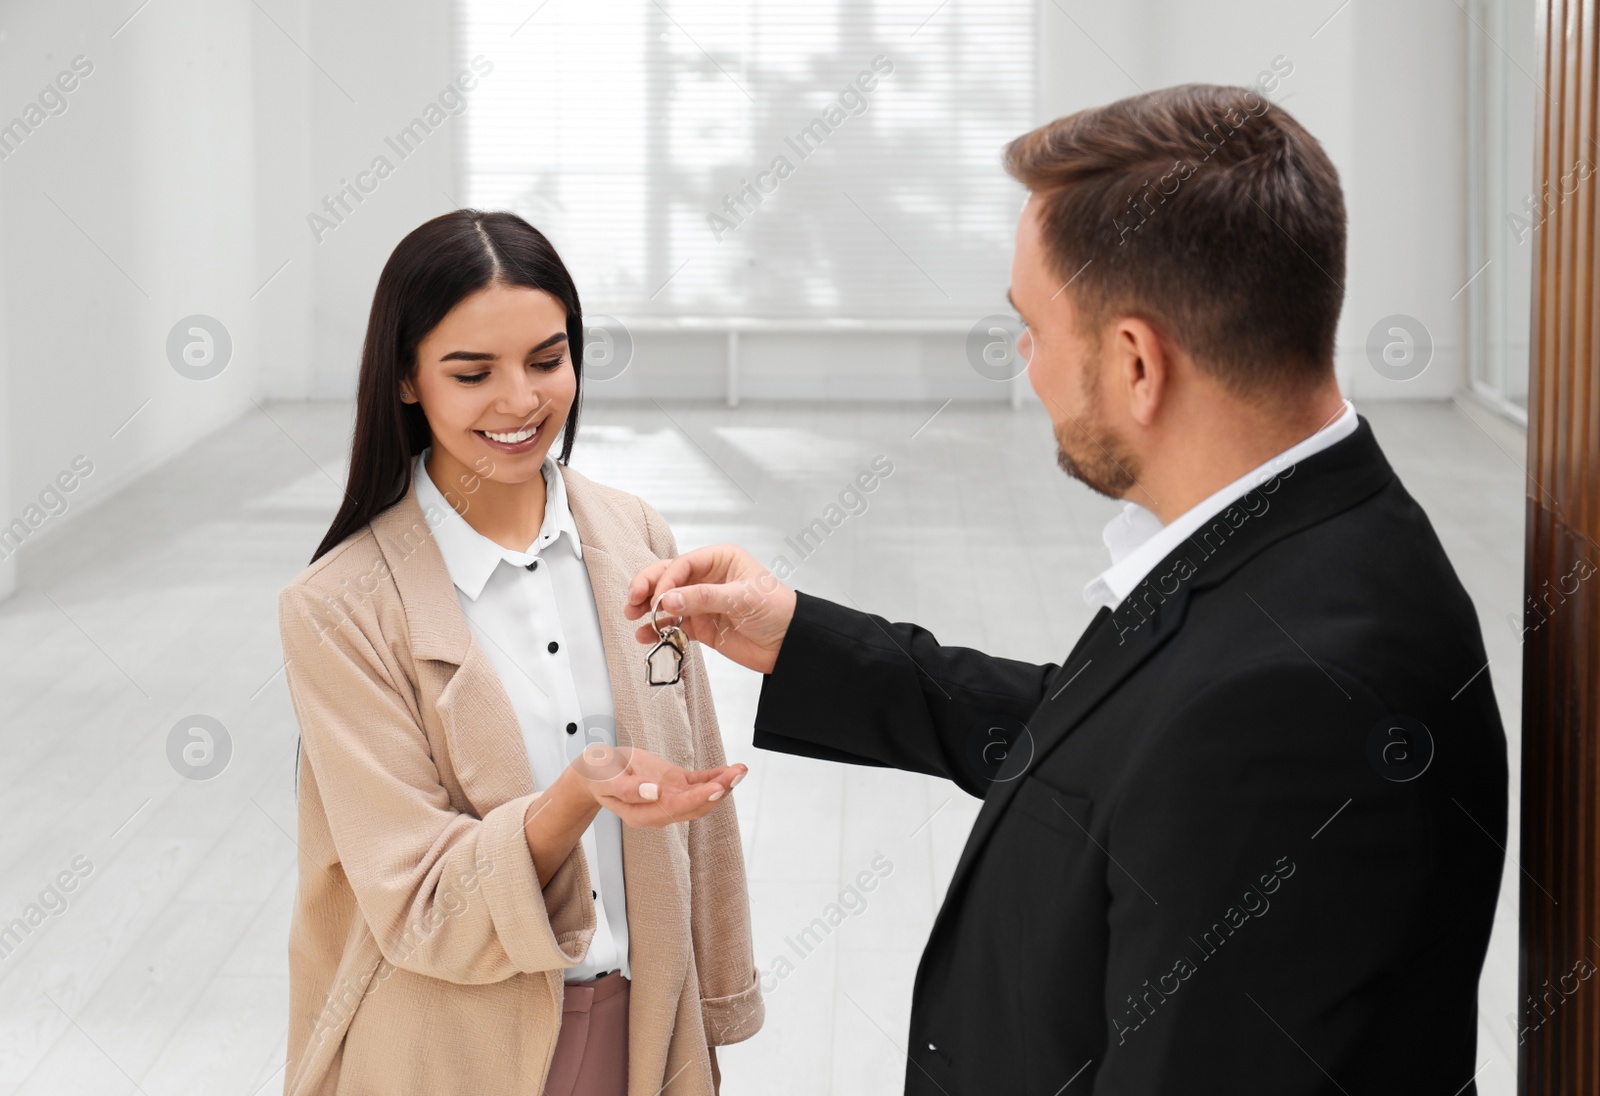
x: 1087, y: 452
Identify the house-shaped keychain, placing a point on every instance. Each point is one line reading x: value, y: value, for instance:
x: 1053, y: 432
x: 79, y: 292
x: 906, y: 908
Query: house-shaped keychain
x: 664, y: 664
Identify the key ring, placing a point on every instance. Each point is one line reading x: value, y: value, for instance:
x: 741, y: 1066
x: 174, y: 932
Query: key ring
x: 658, y: 629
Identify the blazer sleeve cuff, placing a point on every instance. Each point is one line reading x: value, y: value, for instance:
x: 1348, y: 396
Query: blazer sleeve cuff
x: 736, y: 1017
x: 789, y: 695
x: 793, y: 715
x: 547, y: 928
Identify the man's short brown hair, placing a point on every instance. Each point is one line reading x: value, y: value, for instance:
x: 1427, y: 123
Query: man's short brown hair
x: 1205, y: 210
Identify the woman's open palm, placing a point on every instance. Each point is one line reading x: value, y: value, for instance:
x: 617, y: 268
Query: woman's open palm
x: 645, y: 790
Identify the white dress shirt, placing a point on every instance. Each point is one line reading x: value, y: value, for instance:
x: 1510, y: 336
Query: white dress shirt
x: 541, y: 630
x: 1138, y: 541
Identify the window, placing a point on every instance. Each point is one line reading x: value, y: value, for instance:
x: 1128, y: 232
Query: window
x: 774, y: 158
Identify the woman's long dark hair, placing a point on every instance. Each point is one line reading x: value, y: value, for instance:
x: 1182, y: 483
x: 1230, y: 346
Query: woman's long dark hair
x: 432, y: 270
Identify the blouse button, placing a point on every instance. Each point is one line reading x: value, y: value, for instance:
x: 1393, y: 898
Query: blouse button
x: 554, y: 646
x: 572, y: 728
x: 534, y: 566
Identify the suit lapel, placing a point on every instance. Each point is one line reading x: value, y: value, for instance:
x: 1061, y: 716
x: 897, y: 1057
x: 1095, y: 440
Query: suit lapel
x: 487, y: 752
x: 1117, y: 643
x: 1060, y: 677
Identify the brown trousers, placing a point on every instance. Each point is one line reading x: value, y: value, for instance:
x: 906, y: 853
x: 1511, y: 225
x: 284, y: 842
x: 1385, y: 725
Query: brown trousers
x: 591, y: 1057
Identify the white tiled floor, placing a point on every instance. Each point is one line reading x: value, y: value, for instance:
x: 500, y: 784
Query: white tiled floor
x: 165, y: 967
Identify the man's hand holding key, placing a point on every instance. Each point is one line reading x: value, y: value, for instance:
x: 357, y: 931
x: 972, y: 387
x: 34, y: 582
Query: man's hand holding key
x: 725, y: 599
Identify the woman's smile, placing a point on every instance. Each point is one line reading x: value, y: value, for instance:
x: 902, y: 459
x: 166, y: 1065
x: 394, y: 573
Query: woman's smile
x: 512, y: 442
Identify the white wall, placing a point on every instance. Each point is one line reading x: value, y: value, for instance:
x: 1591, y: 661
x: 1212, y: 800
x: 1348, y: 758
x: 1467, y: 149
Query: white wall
x: 392, y: 67
x: 126, y: 211
x: 1408, y: 196
x: 283, y: 114
x: 334, y: 82
x: 8, y: 564
x: 177, y: 181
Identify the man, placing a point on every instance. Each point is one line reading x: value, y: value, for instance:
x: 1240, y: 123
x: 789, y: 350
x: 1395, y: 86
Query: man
x: 1247, y: 836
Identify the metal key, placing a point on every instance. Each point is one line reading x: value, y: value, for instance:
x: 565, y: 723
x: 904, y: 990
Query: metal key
x: 664, y: 664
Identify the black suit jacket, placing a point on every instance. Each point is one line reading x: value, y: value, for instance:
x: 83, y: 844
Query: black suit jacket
x: 1247, y: 838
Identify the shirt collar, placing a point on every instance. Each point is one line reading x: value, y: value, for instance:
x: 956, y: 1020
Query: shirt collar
x: 1137, y: 540
x: 471, y: 557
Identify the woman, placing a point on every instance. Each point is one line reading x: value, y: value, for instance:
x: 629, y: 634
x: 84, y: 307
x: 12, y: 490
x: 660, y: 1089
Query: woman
x: 489, y: 901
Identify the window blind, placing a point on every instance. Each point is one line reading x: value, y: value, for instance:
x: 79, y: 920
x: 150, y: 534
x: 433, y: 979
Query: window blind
x: 773, y: 158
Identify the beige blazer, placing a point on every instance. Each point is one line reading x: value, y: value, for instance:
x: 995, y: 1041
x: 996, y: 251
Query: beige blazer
x: 423, y: 956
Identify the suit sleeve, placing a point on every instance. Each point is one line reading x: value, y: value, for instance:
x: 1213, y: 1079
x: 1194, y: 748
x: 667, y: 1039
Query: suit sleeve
x: 719, y: 915
x: 851, y: 686
x: 445, y: 894
x: 1265, y: 887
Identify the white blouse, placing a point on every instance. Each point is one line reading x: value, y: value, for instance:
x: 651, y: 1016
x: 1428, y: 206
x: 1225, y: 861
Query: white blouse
x: 534, y: 615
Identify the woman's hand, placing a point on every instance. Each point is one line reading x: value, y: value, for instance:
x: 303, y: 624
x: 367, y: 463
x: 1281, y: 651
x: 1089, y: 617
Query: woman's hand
x: 645, y: 790
x: 726, y: 599
x: 635, y: 785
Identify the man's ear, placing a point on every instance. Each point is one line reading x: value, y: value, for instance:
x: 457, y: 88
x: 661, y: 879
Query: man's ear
x: 1143, y: 366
